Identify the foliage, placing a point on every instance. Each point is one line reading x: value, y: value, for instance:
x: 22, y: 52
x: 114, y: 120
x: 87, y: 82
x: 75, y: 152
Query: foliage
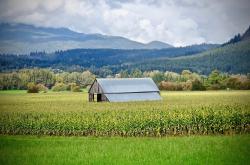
x: 76, y: 89
x: 238, y: 82
x: 59, y: 87
x: 32, y: 88
x: 98, y: 61
x: 232, y: 58
x: 197, y: 85
x: 45, y: 77
x: 182, y: 113
x: 42, y: 88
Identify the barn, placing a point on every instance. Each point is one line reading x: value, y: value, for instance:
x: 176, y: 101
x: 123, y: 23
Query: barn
x: 123, y: 90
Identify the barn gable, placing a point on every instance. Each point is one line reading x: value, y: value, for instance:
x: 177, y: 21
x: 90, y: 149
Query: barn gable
x: 124, y: 89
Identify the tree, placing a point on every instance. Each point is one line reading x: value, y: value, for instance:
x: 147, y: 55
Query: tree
x: 32, y: 88
x: 197, y: 85
x: 214, y: 77
x: 124, y: 74
x: 158, y: 77
x: 136, y: 73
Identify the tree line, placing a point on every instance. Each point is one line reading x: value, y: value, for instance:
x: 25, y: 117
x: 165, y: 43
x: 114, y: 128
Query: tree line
x: 57, y: 80
x: 43, y: 79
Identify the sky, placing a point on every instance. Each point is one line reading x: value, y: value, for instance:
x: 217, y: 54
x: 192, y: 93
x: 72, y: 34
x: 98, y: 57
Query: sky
x: 177, y: 22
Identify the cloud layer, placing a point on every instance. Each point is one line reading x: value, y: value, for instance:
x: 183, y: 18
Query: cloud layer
x: 177, y: 22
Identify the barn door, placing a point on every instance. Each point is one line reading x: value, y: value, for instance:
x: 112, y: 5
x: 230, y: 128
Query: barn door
x: 99, y: 97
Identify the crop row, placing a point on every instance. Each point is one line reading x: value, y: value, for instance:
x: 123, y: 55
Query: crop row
x: 154, y: 122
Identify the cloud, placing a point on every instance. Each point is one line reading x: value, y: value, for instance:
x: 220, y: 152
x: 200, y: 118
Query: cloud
x: 178, y: 22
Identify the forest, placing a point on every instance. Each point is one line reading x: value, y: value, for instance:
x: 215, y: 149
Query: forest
x: 231, y: 58
x: 36, y: 80
x: 96, y: 60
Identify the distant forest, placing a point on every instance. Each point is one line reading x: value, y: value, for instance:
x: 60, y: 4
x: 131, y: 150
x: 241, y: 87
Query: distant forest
x: 232, y: 58
x: 102, y: 62
x: 35, y: 80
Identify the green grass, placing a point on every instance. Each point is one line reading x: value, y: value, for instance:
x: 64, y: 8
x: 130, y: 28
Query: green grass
x: 13, y: 91
x: 116, y: 150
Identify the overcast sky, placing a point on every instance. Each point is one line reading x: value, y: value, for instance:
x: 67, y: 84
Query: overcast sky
x: 177, y: 22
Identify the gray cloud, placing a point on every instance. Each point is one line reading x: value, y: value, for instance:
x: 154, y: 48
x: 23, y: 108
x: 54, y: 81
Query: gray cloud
x: 178, y: 22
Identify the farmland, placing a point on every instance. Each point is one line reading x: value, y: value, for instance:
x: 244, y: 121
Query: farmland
x: 117, y: 150
x: 179, y: 113
x: 183, y: 128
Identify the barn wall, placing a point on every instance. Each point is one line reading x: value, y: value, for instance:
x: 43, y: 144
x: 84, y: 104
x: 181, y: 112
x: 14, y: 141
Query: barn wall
x: 95, y: 88
x: 91, y: 97
x: 104, y: 98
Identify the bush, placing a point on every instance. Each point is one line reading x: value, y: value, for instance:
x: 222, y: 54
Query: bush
x: 59, y: 87
x: 42, y: 88
x: 187, y: 86
x: 197, y: 85
x: 76, y: 89
x: 214, y: 87
x: 32, y: 88
x: 238, y: 82
x: 170, y: 86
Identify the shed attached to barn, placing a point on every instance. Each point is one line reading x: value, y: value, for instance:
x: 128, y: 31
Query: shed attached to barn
x: 123, y: 89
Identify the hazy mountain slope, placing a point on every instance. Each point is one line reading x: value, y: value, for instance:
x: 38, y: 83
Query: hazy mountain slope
x: 23, y: 39
x: 95, y: 58
x: 232, y: 58
x: 157, y: 45
x: 246, y: 35
x: 237, y: 38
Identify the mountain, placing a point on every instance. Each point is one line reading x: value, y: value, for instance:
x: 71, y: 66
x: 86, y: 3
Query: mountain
x: 23, y: 39
x: 246, y: 35
x: 237, y: 38
x: 95, y: 59
x: 157, y: 45
x: 231, y: 58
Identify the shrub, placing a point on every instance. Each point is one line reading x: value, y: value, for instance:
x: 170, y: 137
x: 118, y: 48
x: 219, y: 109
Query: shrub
x: 59, y: 87
x: 197, y: 85
x: 42, y: 88
x: 170, y: 86
x: 70, y: 86
x: 32, y: 88
x: 76, y: 89
x: 187, y: 86
x: 214, y: 87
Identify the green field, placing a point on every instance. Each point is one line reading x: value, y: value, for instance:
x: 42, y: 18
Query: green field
x: 116, y: 150
x: 179, y: 113
x: 209, y: 127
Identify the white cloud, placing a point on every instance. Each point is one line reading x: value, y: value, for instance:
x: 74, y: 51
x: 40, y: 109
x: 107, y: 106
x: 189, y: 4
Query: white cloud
x: 178, y: 22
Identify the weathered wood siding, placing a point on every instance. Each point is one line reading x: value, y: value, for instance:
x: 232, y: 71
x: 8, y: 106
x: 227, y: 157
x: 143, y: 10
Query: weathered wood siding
x: 104, y: 98
x: 95, y: 88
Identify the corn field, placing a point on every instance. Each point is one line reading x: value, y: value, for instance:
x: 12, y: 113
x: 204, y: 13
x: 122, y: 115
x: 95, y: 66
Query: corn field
x: 180, y: 113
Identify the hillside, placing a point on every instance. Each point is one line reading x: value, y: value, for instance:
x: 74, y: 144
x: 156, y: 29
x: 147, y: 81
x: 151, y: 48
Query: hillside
x: 232, y: 58
x: 95, y: 59
x: 237, y: 38
x: 23, y: 39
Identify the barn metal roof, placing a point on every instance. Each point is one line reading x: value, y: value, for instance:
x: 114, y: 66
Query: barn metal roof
x: 127, y: 85
x: 122, y: 97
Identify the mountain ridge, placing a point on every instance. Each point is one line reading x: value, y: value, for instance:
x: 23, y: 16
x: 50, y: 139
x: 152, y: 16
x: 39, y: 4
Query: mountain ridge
x: 23, y: 38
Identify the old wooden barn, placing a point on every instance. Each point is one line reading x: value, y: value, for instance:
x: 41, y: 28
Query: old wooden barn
x: 123, y: 89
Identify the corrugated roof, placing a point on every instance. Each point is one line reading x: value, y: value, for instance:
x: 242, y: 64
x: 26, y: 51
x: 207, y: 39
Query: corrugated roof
x: 127, y: 85
x: 123, y: 97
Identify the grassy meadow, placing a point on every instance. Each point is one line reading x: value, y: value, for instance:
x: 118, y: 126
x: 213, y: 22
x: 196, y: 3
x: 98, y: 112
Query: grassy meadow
x: 210, y: 127
x: 117, y: 150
